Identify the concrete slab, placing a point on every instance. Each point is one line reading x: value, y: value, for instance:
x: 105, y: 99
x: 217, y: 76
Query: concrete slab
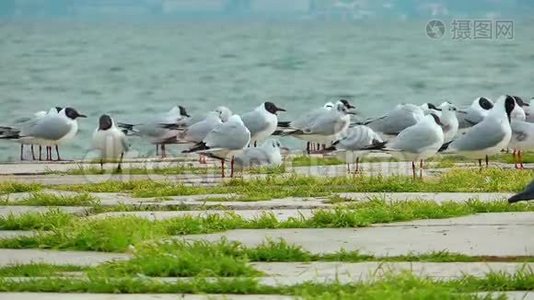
x: 17, y: 197
x: 54, y: 179
x: 437, y: 197
x: 320, y: 272
x: 280, y: 214
x: 74, y: 296
x: 203, y: 202
x: 486, y: 219
x: 409, y: 238
x: 78, y: 258
x: 18, y: 210
x: 10, y: 234
x: 26, y: 168
x: 112, y: 199
x: 517, y: 295
x: 386, y: 168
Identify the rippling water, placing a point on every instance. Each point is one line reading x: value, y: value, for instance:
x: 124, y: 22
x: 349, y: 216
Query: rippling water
x: 134, y: 70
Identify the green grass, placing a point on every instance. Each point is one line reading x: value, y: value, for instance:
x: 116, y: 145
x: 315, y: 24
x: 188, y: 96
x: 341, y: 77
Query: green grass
x: 116, y: 234
x: 47, y: 199
x: 37, y: 269
x: 167, y: 170
x: 276, y: 186
x: 392, y: 286
x: 181, y: 259
x: 306, y: 160
x: 52, y: 219
x: 7, y: 187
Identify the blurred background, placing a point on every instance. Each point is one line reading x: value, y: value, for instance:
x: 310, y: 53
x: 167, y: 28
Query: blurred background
x: 136, y: 58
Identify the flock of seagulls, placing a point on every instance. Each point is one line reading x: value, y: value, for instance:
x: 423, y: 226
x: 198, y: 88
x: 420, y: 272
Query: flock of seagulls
x: 409, y: 132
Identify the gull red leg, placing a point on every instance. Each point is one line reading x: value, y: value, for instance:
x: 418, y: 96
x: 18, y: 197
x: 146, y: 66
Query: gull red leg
x: 57, y: 152
x: 520, y: 160
x: 357, y: 165
x: 514, y: 158
x: 222, y: 168
x: 163, y: 151
x: 421, y: 169
x: 232, y: 168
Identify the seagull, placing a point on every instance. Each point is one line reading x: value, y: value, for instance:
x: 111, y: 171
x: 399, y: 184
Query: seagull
x: 308, y: 118
x: 418, y: 142
x: 400, y: 118
x: 355, y: 144
x: 51, y: 129
x: 487, y: 137
x: 522, y: 140
x: 155, y: 132
x: 224, y: 113
x: 525, y: 195
x: 475, y: 113
x: 224, y: 141
x: 448, y: 120
x: 529, y: 111
x: 326, y: 126
x: 268, y: 154
x: 518, y: 113
x: 429, y: 108
x: 109, y: 140
x: 7, y: 132
x: 262, y: 121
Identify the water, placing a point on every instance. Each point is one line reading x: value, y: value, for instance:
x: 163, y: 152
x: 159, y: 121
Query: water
x: 134, y: 70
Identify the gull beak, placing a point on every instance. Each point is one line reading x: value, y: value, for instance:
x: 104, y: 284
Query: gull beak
x: 280, y: 109
x: 438, y: 109
x: 354, y: 113
x: 82, y: 116
x: 462, y: 111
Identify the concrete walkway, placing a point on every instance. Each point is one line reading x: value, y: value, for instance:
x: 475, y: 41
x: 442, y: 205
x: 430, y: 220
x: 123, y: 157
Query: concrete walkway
x: 322, y: 272
x: 18, y: 210
x: 500, y: 234
x: 58, y: 296
x: 78, y: 258
x: 279, y: 214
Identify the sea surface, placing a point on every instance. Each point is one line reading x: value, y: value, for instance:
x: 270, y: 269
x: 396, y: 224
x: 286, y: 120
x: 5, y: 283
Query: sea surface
x: 135, y: 70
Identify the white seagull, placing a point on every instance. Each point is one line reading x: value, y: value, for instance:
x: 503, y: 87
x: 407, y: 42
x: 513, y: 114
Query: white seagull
x: 355, y: 144
x: 110, y: 141
x: 400, y: 118
x: 449, y: 121
x: 309, y: 118
x: 54, y: 128
x: 224, y: 141
x: 267, y: 154
x: 262, y: 121
x: 326, y: 126
x: 522, y: 140
x: 475, y: 113
x: 154, y: 130
x: 489, y: 136
x: 418, y: 142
